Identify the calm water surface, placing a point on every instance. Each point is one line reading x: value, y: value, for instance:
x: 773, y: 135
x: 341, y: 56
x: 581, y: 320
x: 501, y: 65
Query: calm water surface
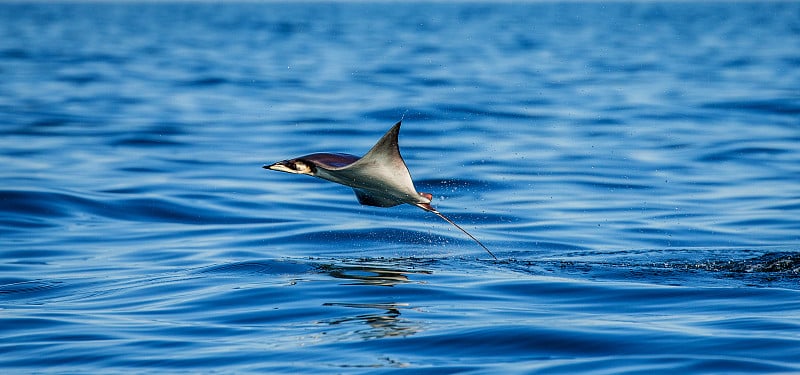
x: 635, y: 167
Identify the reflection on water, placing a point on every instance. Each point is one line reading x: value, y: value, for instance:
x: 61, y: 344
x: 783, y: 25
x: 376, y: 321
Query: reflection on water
x: 387, y: 320
x: 370, y: 274
x: 386, y: 323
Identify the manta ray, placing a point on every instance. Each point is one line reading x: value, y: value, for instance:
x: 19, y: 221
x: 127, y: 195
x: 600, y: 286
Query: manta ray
x: 380, y: 178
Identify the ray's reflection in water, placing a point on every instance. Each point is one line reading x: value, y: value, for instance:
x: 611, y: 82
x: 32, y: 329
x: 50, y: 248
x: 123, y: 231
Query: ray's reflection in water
x: 384, y: 323
x: 384, y: 318
x: 370, y: 274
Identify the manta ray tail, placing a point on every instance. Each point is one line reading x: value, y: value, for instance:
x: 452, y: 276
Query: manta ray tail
x: 427, y: 207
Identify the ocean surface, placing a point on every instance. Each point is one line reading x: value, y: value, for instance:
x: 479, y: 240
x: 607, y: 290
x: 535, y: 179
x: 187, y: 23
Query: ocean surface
x: 634, y: 166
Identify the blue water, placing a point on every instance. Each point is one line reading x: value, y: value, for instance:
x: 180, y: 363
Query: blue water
x: 635, y: 167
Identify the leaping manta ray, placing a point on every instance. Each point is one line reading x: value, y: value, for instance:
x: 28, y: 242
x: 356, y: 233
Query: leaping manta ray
x: 380, y: 178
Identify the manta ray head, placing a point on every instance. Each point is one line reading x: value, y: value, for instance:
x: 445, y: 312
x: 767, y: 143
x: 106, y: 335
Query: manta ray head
x: 296, y: 166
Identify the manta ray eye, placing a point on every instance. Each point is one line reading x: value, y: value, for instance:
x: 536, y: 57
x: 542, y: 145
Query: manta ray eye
x: 302, y: 167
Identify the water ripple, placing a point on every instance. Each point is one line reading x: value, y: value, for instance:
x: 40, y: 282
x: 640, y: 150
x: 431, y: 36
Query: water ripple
x: 40, y: 205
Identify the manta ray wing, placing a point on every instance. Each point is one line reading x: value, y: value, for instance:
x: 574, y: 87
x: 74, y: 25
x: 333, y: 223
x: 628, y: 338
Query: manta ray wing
x: 382, y: 171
